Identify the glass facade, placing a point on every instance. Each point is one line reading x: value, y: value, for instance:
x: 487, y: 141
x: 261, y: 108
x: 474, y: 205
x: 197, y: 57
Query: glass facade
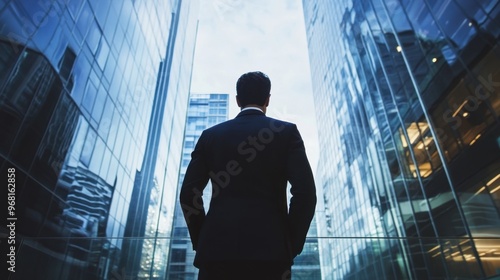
x: 408, y: 106
x: 204, y: 111
x: 306, y: 266
x: 93, y: 101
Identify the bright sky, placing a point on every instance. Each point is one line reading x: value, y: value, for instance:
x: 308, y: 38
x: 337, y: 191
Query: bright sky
x: 238, y: 36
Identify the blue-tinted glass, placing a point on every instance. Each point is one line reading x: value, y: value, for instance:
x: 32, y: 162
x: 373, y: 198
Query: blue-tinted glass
x: 93, y: 36
x: 89, y: 97
x: 97, y: 155
x: 45, y: 135
x: 120, y: 137
x: 81, y: 71
x: 100, y: 10
x: 407, y: 72
x: 102, y: 54
x: 112, y: 20
x: 56, y: 142
x: 88, y: 147
x: 74, y: 7
x: 43, y: 37
x: 84, y: 21
x: 99, y: 104
x: 112, y: 171
x: 113, y: 128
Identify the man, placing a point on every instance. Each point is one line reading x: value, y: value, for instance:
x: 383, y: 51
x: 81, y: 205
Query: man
x: 249, y: 232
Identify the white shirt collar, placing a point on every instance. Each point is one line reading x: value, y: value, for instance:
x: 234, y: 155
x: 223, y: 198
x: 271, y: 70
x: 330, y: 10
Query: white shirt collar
x: 252, y: 108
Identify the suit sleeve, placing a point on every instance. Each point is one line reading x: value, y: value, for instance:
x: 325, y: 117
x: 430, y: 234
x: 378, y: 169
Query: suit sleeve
x: 303, y: 191
x: 195, y: 181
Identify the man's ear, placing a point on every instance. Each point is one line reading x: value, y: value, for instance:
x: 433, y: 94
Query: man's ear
x: 267, y: 101
x: 238, y: 101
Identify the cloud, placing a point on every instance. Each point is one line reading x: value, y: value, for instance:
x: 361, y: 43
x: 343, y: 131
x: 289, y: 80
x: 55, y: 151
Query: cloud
x: 237, y: 36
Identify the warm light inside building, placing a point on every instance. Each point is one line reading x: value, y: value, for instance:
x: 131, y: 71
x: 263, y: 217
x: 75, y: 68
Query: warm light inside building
x: 494, y: 182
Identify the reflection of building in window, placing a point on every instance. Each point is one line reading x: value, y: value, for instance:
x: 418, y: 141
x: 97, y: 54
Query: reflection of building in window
x: 87, y: 203
x: 423, y: 149
x: 480, y: 209
x: 468, y: 111
x: 154, y: 250
x: 428, y: 79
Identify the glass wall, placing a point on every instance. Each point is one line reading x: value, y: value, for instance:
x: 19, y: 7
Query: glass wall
x: 88, y: 94
x: 407, y: 98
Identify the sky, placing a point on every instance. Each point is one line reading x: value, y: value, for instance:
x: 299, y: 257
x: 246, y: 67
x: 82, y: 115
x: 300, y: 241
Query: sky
x: 239, y: 36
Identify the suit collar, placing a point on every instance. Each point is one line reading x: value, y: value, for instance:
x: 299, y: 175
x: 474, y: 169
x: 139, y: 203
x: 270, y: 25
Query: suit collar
x: 252, y: 108
x: 250, y: 112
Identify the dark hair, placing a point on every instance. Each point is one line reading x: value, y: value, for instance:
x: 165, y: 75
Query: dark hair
x: 253, y: 88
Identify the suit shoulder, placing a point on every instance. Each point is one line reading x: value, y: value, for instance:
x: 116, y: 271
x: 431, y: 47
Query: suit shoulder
x: 282, y: 123
x: 219, y: 126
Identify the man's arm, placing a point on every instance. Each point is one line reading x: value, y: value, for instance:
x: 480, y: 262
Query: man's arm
x: 194, y: 183
x: 303, y: 190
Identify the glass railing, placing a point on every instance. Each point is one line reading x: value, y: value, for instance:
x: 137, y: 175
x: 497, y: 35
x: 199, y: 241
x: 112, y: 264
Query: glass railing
x: 322, y: 258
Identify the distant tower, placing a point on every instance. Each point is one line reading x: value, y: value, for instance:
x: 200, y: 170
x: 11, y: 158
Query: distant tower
x: 205, y: 110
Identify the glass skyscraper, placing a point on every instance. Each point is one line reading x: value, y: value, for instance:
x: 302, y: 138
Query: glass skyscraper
x: 407, y: 97
x: 205, y: 110
x: 93, y: 101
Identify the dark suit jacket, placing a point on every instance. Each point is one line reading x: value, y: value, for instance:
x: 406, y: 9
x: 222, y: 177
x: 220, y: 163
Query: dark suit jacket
x: 249, y: 160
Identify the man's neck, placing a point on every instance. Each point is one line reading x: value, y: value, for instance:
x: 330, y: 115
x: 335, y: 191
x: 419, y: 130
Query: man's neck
x: 252, y: 108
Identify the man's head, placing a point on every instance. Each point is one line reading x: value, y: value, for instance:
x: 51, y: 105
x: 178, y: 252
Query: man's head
x: 253, y: 88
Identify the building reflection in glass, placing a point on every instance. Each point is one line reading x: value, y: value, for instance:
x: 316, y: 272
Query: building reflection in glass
x: 78, y: 81
x: 407, y: 96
